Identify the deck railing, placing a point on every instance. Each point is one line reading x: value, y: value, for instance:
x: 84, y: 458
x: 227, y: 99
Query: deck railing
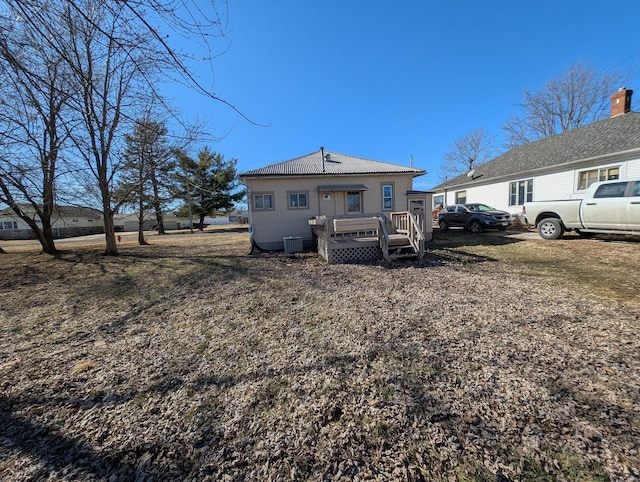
x: 408, y: 223
x: 333, y: 232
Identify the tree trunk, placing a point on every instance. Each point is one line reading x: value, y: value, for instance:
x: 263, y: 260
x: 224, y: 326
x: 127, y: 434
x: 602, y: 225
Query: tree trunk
x: 45, y: 236
x: 141, y: 240
x: 156, y: 205
x: 45, y: 240
x: 111, y: 247
x: 201, y: 225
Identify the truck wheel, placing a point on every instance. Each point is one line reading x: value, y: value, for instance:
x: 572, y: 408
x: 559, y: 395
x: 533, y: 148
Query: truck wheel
x: 475, y: 227
x: 443, y: 226
x: 550, y: 228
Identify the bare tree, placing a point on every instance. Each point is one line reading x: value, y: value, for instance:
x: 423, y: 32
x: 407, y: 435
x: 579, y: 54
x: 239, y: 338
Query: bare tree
x: 116, y: 50
x: 577, y: 97
x: 35, y: 92
x: 467, y: 152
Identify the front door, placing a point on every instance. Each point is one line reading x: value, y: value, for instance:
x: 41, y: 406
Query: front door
x: 328, y: 203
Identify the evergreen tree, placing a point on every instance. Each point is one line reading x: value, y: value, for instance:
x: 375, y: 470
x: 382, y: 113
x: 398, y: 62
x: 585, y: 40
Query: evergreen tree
x: 210, y: 184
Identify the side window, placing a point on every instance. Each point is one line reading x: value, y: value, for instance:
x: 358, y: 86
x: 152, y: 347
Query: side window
x: 298, y: 200
x: 461, y: 197
x: 263, y: 201
x: 586, y: 178
x: 461, y: 209
x: 616, y: 189
x: 636, y: 189
x: 520, y: 192
x: 8, y: 225
x: 387, y: 197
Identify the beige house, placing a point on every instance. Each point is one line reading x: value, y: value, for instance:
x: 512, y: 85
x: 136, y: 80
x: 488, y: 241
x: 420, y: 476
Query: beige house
x: 66, y: 221
x: 293, y: 199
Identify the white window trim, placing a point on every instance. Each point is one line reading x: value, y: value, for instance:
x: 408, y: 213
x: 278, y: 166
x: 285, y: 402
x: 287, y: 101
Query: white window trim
x: 599, y: 170
x: 527, y: 194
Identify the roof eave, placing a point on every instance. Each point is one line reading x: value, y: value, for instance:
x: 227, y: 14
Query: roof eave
x: 532, y: 172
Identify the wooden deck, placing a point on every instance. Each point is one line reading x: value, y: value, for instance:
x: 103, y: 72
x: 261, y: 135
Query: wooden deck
x: 366, y: 238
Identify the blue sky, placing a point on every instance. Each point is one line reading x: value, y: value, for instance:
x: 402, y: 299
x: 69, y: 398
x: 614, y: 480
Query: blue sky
x: 391, y: 80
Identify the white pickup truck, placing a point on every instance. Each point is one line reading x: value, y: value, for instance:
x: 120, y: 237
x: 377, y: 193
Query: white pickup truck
x: 611, y: 207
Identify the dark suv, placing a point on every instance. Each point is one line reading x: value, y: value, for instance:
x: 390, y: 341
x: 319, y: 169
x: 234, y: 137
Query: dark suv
x: 473, y: 217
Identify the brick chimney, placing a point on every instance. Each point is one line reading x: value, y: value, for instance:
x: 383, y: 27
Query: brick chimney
x: 621, y: 102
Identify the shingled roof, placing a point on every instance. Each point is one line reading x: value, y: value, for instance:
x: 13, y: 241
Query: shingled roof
x: 59, y: 211
x: 334, y: 164
x: 608, y: 137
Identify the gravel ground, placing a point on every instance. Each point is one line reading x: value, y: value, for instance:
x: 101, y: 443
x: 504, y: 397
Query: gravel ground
x: 191, y: 361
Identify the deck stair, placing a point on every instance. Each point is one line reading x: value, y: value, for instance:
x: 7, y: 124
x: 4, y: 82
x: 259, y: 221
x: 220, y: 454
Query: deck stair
x: 406, y: 239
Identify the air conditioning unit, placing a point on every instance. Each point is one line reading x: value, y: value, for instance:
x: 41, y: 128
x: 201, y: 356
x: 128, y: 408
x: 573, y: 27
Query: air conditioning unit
x: 292, y: 244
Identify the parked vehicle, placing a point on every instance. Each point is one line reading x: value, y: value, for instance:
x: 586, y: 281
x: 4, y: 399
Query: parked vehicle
x: 611, y: 207
x: 473, y: 217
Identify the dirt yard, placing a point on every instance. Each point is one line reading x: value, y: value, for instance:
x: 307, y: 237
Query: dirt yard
x: 494, y: 359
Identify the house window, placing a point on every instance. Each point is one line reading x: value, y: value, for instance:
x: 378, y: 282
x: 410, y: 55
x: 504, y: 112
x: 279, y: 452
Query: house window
x: 298, y: 200
x: 387, y: 197
x: 461, y: 197
x: 263, y: 201
x: 520, y: 192
x: 354, y: 201
x: 586, y: 178
x: 438, y: 201
x: 8, y: 225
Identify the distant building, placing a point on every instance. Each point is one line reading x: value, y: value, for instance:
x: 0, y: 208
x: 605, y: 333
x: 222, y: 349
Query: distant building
x: 67, y: 221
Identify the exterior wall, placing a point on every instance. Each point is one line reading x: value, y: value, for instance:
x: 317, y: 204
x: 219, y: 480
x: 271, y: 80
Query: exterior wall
x: 271, y: 226
x: 633, y: 169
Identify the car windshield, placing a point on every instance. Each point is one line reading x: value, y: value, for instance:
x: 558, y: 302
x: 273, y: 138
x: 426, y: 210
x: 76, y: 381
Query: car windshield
x: 479, y: 207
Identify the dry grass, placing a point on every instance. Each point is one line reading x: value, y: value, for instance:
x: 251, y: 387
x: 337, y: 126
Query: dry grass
x: 493, y: 359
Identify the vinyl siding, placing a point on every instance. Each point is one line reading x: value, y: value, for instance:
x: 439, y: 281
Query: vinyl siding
x: 633, y: 169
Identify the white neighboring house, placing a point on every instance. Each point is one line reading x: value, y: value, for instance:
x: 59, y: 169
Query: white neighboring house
x: 66, y: 221
x: 559, y: 167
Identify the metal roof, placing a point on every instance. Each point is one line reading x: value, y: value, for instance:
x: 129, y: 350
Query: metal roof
x: 607, y: 137
x: 343, y: 187
x: 334, y: 164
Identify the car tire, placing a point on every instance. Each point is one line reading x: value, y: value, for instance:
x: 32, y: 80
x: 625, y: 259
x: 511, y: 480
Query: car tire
x: 443, y: 226
x: 550, y: 228
x: 475, y: 227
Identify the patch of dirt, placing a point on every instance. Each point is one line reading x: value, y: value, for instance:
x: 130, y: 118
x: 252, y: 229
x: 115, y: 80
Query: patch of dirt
x: 187, y: 360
